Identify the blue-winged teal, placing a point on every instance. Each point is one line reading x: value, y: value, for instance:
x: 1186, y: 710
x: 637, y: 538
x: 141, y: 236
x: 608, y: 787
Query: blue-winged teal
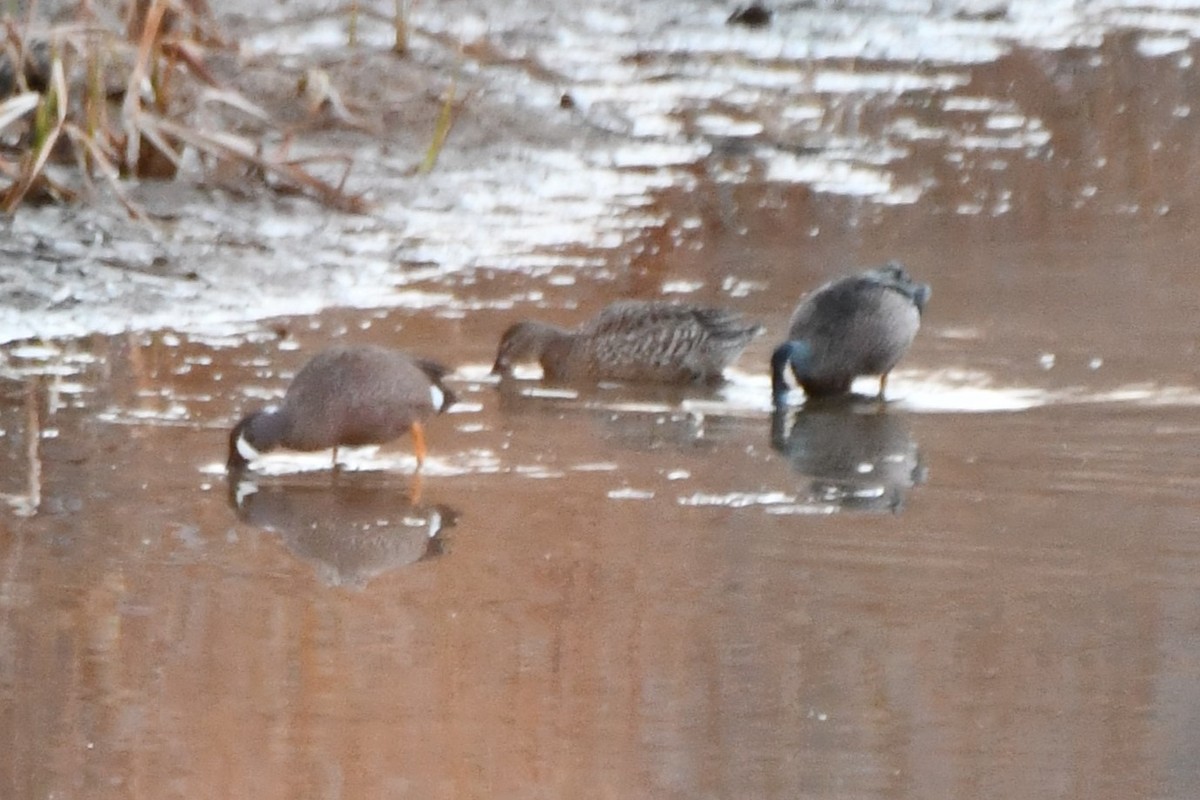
x: 349, y: 396
x: 857, y: 325
x: 633, y: 340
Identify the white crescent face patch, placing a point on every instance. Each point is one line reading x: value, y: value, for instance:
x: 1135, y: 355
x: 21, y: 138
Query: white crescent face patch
x: 245, y: 449
x: 437, y: 396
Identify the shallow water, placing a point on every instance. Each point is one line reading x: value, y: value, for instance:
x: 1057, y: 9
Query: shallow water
x: 987, y: 588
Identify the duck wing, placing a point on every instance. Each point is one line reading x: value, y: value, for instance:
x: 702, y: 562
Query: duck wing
x: 659, y: 335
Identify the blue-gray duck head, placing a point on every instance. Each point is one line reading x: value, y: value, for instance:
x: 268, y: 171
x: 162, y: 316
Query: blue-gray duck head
x: 797, y: 355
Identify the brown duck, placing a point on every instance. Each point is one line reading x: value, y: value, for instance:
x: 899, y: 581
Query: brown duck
x: 350, y: 396
x: 632, y: 340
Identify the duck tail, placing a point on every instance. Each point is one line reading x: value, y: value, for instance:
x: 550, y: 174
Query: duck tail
x: 721, y: 323
x: 749, y: 332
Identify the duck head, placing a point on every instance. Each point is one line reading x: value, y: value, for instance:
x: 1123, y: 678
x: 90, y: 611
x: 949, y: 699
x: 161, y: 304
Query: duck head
x: 794, y: 354
x: 255, y: 434
x: 528, y: 341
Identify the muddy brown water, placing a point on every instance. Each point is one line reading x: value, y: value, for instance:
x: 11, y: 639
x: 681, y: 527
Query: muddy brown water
x: 989, y: 589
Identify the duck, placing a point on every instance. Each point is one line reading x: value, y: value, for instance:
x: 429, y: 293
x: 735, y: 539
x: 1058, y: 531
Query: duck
x: 640, y: 341
x: 860, y: 324
x: 346, y: 396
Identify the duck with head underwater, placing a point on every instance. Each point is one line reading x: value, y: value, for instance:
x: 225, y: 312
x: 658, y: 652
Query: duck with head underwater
x: 860, y: 324
x: 351, y: 396
x: 642, y: 341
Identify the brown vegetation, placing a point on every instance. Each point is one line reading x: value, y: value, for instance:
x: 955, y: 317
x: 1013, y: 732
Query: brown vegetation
x: 113, y: 97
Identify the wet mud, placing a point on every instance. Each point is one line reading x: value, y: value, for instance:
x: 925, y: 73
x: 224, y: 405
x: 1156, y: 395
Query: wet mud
x: 984, y: 587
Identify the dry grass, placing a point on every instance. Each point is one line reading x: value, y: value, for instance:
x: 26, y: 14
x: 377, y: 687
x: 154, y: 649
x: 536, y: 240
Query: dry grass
x: 103, y: 99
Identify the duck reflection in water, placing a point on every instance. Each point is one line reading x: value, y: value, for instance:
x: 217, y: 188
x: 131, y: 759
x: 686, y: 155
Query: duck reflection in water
x: 857, y: 454
x: 641, y: 418
x: 350, y: 532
